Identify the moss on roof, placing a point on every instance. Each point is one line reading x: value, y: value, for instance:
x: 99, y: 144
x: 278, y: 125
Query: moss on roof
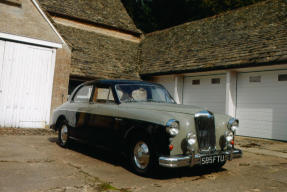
x: 247, y: 36
x: 104, y: 12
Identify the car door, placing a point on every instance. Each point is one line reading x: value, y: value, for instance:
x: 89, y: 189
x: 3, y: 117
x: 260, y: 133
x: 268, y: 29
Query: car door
x: 79, y: 112
x: 102, y: 120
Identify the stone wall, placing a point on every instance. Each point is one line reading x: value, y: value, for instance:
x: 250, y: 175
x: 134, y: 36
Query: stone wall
x: 25, y: 20
x: 61, y: 77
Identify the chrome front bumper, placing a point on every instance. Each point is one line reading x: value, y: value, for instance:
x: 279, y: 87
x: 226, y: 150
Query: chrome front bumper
x: 194, y: 159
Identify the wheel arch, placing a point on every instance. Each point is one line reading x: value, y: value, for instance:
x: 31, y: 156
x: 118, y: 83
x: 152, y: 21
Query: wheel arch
x: 59, y: 120
x: 155, y: 133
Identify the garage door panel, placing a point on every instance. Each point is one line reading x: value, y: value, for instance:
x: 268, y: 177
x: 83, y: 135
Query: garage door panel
x: 264, y: 129
x: 262, y: 106
x: 26, y: 82
x: 260, y: 94
x: 259, y: 110
x: 205, y: 94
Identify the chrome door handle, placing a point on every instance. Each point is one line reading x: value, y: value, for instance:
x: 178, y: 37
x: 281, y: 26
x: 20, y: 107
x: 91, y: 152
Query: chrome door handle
x: 118, y: 119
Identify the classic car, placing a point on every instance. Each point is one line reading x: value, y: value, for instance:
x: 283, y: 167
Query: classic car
x: 142, y: 120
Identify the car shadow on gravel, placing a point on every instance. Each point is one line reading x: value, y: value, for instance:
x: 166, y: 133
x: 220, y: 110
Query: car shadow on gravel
x: 117, y: 159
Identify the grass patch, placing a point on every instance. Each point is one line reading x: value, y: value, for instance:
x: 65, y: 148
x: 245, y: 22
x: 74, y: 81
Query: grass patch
x: 106, y: 186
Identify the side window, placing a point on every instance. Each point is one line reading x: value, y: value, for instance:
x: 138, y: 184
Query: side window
x: 103, y: 95
x: 84, y: 94
x: 139, y: 94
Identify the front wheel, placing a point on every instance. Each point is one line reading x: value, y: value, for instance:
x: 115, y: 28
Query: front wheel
x: 142, y: 157
x: 63, y: 134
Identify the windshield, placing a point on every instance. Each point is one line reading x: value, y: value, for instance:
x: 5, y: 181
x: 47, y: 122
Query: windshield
x: 143, y: 93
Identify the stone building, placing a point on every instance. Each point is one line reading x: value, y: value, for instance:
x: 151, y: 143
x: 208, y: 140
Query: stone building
x: 31, y: 50
x: 233, y: 63
x: 102, y: 37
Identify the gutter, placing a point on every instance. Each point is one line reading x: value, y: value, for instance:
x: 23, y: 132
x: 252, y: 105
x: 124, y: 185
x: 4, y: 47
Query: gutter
x: 205, y: 69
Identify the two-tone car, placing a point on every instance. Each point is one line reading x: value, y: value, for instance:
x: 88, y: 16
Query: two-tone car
x: 142, y: 120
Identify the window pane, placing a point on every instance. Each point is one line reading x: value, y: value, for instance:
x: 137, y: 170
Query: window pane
x: 139, y: 94
x: 255, y: 79
x: 215, y: 80
x: 84, y: 94
x: 195, y: 82
x: 282, y: 77
x: 103, y: 95
x: 143, y: 93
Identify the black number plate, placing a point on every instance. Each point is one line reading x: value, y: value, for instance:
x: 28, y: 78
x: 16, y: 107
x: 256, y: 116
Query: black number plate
x: 206, y: 160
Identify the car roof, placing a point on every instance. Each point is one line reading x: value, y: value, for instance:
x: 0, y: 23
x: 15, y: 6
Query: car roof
x: 114, y: 81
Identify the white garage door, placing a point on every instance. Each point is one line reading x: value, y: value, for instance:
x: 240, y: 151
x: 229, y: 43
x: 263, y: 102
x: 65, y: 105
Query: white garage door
x: 205, y: 91
x: 167, y: 82
x: 262, y: 104
x: 26, y: 78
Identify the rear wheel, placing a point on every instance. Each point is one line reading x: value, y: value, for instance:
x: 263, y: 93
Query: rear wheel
x: 63, y: 134
x: 142, y: 156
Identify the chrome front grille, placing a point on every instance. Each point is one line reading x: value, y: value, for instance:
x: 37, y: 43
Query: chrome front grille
x: 205, y: 129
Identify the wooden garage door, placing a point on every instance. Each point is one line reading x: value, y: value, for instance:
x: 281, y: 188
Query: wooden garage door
x: 262, y: 104
x: 26, y: 79
x: 206, y: 92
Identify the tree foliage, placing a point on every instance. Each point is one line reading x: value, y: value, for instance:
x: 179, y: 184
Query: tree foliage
x: 152, y: 15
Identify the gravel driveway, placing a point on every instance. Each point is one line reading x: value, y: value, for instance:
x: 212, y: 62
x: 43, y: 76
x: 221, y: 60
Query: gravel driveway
x: 37, y: 163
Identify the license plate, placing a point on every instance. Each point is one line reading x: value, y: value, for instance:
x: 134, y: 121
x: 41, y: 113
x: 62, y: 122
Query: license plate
x: 206, y: 160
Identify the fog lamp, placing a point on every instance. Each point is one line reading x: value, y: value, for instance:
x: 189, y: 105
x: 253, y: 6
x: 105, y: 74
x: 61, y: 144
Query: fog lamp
x: 191, y: 140
x: 233, y: 124
x: 172, y: 127
x: 228, y: 136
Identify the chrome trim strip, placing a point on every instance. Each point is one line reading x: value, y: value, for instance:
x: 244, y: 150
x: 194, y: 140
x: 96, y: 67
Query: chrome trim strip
x: 194, y: 159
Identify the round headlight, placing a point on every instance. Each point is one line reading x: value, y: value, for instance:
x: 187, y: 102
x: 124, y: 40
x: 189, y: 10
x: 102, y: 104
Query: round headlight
x: 233, y: 124
x: 172, y: 127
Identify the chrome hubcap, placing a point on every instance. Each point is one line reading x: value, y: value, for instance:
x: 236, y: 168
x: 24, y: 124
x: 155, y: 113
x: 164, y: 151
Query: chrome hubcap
x: 64, y: 134
x: 141, y: 155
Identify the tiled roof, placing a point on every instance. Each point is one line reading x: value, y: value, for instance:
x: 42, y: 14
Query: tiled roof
x: 99, y: 56
x: 109, y: 13
x: 249, y: 36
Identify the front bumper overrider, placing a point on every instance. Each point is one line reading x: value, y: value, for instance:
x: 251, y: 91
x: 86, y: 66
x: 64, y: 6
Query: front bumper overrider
x: 194, y: 159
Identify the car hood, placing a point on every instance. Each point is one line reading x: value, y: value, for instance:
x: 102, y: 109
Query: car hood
x: 174, y: 108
